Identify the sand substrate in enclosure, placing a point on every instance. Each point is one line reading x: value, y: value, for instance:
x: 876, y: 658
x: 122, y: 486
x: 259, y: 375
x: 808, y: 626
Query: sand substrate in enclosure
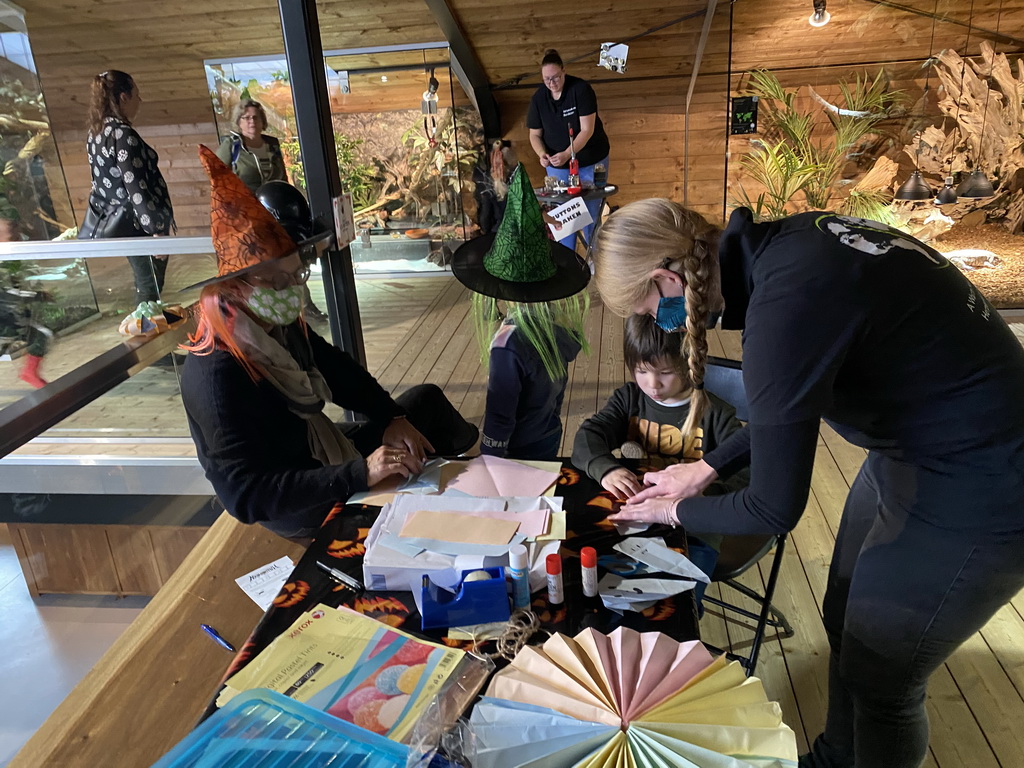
x: 1003, y: 285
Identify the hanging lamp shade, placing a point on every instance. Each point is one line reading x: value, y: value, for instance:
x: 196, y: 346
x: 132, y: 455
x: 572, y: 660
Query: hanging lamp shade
x: 947, y: 195
x: 914, y: 188
x: 976, y: 185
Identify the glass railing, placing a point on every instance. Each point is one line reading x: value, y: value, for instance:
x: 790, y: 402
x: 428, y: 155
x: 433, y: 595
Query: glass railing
x: 77, y: 295
x: 63, y: 302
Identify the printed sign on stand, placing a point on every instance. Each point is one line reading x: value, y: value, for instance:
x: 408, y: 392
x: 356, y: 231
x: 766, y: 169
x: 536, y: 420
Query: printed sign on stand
x: 344, y: 223
x: 573, y: 217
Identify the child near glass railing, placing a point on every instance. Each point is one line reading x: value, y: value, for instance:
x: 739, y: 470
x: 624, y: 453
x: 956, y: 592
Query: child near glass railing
x: 21, y: 307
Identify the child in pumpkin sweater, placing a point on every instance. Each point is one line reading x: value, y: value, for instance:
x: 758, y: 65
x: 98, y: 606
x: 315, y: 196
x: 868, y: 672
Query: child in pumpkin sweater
x: 646, y: 419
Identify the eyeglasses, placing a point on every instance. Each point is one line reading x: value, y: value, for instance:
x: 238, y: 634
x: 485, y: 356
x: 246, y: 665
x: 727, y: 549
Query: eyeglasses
x: 280, y: 280
x: 553, y: 80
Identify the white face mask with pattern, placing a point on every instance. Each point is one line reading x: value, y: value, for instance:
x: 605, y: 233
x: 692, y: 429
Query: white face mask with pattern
x: 276, y: 306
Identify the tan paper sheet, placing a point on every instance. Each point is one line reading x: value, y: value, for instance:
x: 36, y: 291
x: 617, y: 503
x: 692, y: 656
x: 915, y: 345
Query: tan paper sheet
x: 458, y: 528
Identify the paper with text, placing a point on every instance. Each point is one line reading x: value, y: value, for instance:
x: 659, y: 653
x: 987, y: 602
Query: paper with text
x: 263, y: 584
x: 573, y: 217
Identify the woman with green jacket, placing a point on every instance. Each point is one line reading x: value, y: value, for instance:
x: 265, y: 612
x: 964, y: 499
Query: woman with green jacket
x: 254, y: 156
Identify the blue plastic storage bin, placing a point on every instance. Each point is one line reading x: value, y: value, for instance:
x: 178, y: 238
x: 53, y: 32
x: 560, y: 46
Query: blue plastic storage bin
x: 265, y: 729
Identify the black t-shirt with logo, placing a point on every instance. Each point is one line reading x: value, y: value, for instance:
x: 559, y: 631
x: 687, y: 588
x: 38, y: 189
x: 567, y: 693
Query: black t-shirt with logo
x: 555, y: 117
x: 851, y: 321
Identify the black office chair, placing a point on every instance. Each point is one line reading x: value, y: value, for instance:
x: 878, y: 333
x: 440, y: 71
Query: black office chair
x: 724, y: 378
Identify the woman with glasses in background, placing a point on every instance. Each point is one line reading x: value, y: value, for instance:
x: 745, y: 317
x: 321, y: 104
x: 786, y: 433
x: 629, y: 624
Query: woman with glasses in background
x: 252, y: 154
x: 258, y: 378
x: 560, y: 103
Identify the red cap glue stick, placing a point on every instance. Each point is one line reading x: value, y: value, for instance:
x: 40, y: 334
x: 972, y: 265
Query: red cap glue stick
x: 554, y: 568
x: 588, y: 561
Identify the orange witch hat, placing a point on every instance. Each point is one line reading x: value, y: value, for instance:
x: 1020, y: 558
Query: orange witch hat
x: 244, y: 233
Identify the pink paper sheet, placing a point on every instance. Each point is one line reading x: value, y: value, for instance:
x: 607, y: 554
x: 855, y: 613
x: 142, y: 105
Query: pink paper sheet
x: 493, y: 476
x: 690, y: 659
x: 598, y: 647
x: 626, y: 651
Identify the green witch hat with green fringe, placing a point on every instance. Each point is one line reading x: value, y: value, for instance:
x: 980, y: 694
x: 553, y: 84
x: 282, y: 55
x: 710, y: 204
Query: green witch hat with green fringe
x: 541, y: 281
x: 519, y: 263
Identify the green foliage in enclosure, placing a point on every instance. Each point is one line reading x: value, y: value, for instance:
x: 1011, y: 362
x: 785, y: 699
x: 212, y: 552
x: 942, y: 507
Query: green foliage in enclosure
x: 801, y: 154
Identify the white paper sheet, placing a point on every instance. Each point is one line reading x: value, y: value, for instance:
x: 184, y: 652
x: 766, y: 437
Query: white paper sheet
x: 263, y: 584
x: 619, y: 594
x: 661, y: 558
x: 573, y: 216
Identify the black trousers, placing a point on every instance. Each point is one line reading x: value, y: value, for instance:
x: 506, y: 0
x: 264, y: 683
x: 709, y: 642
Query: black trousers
x: 149, y: 274
x: 902, y: 595
x: 431, y: 413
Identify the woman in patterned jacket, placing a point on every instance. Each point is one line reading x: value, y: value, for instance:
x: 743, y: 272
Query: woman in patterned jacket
x: 124, y: 172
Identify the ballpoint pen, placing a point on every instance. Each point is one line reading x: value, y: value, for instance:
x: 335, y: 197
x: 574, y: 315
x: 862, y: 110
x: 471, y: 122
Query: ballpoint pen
x: 340, y: 576
x: 217, y: 638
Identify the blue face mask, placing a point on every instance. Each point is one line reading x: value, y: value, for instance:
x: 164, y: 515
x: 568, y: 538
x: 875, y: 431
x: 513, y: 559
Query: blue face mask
x: 672, y: 314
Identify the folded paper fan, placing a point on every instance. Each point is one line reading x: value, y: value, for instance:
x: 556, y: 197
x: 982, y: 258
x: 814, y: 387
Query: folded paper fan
x: 628, y: 700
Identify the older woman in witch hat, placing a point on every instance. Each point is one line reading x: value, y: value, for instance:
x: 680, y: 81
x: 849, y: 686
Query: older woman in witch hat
x: 258, y: 378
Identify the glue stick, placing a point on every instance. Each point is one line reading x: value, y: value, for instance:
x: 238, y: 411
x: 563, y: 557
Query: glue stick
x: 588, y: 561
x: 518, y: 569
x: 554, y: 567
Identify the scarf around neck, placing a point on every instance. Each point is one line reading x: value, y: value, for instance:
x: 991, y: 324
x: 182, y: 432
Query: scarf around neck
x: 305, y: 391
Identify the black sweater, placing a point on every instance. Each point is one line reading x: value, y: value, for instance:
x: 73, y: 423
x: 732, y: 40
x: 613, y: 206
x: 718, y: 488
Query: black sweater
x: 894, y: 347
x: 523, y: 404
x: 125, y: 171
x: 255, y: 451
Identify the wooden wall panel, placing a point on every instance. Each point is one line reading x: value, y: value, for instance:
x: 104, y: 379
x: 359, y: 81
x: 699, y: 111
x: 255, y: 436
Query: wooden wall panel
x: 171, y: 545
x: 70, y: 558
x: 134, y: 559
x: 645, y: 130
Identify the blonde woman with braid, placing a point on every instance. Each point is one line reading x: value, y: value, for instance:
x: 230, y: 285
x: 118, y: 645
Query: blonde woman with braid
x: 848, y: 320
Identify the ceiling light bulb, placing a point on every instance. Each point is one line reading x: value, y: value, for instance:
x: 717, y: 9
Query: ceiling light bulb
x: 383, y: 78
x: 819, y: 18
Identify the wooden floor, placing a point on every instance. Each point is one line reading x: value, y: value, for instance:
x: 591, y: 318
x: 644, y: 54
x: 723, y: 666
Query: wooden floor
x: 418, y: 331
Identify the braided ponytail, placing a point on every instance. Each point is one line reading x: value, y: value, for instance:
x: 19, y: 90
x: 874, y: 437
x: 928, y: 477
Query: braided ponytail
x: 697, y: 268
x: 105, y: 98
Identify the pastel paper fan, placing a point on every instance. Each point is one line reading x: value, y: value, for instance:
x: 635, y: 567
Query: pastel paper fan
x: 628, y: 700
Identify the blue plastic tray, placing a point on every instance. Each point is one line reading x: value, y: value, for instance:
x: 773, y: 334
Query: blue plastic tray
x: 265, y: 729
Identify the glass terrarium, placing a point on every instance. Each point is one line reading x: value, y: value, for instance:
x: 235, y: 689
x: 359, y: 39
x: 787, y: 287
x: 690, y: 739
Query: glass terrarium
x: 928, y: 142
x: 406, y: 140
